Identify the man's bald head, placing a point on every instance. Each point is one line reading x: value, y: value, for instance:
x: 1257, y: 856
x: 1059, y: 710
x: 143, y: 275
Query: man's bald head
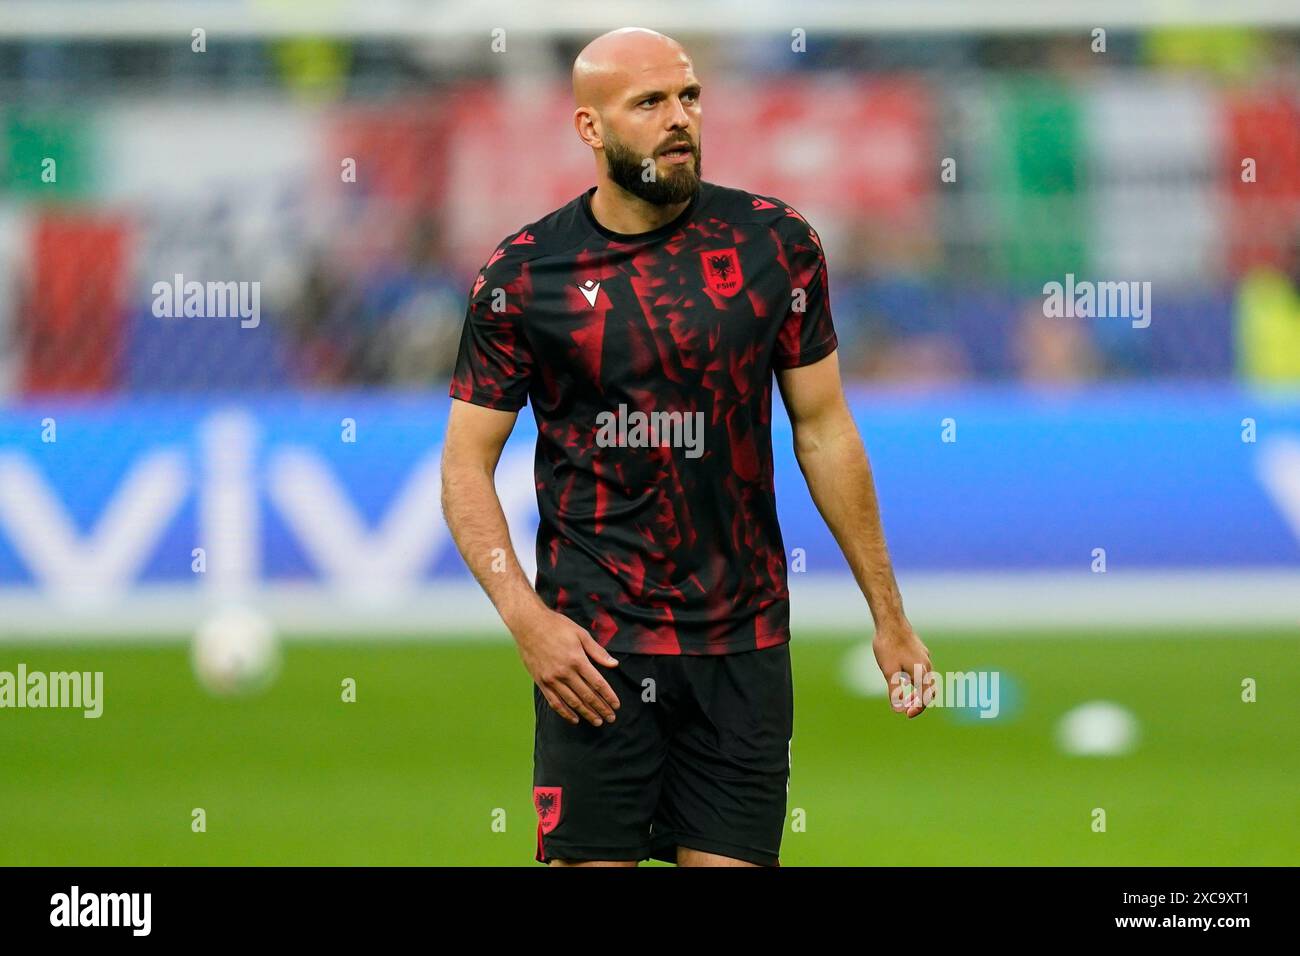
x: 616, y: 61
x: 638, y: 105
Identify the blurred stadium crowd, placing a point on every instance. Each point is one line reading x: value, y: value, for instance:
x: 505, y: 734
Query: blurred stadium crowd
x: 363, y: 183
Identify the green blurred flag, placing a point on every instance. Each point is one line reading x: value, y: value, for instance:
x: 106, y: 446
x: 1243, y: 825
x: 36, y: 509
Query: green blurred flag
x: 1036, y: 181
x: 47, y: 156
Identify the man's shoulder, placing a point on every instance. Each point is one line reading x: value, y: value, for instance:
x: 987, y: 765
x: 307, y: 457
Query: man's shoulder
x: 556, y: 232
x: 739, y: 206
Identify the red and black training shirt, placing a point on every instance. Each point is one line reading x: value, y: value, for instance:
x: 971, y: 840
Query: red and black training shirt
x: 655, y: 548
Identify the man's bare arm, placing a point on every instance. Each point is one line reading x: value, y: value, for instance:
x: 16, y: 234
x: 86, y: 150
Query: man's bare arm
x: 834, y: 463
x: 556, y: 651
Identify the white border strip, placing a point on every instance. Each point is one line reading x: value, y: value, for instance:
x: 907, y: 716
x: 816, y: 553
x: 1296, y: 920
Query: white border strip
x: 1025, y: 603
x: 417, y: 19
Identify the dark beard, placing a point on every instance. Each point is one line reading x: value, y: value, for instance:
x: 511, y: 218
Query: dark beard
x: 625, y: 168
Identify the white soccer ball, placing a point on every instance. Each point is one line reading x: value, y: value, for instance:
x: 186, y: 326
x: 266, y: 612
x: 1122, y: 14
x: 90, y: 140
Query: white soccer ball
x: 1098, y: 728
x: 235, y: 651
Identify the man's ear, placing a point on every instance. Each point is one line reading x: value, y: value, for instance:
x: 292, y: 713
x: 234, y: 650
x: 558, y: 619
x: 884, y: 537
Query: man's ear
x: 587, y: 122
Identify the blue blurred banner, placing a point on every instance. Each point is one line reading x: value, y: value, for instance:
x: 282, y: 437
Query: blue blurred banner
x: 1161, y: 478
x: 343, y: 490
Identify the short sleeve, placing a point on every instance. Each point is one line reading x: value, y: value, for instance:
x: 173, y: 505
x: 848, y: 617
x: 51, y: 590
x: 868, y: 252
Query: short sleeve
x: 807, y: 332
x: 494, y: 365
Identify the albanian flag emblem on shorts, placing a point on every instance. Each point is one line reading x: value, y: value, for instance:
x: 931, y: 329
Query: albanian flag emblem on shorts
x: 547, y: 802
x: 722, y: 271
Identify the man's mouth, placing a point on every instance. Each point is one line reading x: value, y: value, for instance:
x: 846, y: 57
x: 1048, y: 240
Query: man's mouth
x: 678, y: 153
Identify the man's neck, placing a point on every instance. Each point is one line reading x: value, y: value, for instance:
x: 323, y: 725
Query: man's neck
x: 619, y: 211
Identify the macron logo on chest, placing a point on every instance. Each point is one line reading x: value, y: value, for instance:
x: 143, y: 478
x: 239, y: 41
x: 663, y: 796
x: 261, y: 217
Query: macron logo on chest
x: 589, y: 289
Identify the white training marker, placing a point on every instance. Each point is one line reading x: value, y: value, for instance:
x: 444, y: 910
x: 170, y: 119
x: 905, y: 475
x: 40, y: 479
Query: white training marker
x: 860, y: 673
x: 1099, y: 728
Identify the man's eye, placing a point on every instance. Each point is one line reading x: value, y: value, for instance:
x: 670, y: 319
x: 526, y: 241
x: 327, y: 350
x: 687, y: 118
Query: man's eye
x: 691, y: 96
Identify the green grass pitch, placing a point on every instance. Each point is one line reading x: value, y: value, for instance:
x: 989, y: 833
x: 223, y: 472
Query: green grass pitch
x: 438, y: 746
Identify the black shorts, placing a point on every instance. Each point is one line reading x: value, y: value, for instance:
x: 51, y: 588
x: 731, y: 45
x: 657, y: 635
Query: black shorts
x: 698, y: 757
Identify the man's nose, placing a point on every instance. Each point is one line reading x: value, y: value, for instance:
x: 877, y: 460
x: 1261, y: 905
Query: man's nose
x: 678, y: 118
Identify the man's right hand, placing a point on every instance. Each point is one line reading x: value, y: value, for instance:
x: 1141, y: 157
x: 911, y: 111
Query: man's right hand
x: 559, y: 654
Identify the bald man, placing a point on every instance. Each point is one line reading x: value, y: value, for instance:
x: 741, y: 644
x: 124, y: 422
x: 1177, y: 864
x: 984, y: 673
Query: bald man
x: 644, y: 321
